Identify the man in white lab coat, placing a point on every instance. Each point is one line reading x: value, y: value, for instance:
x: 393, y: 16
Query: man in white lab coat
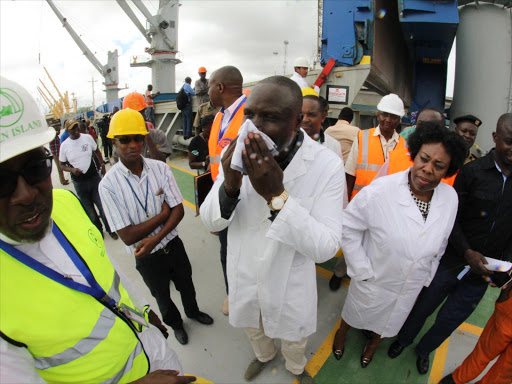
x: 283, y: 216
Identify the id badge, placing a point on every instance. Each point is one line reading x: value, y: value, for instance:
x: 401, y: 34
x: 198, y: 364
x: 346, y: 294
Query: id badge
x: 134, y: 315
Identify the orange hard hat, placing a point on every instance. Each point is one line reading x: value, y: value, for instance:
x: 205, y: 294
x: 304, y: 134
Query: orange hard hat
x: 134, y: 101
x: 201, y: 70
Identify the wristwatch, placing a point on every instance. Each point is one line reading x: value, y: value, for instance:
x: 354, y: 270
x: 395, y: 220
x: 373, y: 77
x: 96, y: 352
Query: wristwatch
x: 277, y: 202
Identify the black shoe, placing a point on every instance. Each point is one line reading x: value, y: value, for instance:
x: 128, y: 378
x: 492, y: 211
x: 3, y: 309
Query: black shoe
x: 365, y: 361
x: 395, y: 349
x: 447, y: 380
x: 181, y: 336
x: 422, y: 365
x: 203, y: 318
x: 338, y: 353
x: 335, y: 283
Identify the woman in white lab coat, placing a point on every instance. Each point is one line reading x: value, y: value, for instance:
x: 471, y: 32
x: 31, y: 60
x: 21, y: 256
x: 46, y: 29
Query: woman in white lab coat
x: 394, y: 232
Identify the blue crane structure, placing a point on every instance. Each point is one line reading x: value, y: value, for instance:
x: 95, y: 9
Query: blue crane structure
x: 407, y: 42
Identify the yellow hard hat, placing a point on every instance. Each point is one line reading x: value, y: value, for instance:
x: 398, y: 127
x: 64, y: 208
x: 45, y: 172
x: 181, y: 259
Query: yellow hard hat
x: 308, y: 91
x: 127, y: 122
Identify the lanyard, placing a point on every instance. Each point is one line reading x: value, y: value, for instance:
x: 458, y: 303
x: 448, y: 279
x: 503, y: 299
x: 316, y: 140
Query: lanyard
x: 94, y: 290
x: 145, y: 206
x: 223, y: 130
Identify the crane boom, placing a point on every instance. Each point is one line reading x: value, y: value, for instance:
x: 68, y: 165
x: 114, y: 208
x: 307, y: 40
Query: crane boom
x: 154, y: 23
x: 126, y: 8
x: 85, y: 50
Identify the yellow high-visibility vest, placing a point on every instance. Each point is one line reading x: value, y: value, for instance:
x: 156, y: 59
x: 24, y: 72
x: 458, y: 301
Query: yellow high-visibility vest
x: 73, y: 337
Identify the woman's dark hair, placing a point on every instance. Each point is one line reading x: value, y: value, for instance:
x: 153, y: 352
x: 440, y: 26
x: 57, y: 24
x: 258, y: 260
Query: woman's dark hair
x: 428, y: 132
x: 206, y: 121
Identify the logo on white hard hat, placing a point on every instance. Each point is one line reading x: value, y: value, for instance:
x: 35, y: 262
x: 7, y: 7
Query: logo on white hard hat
x: 11, y: 107
x: 22, y: 126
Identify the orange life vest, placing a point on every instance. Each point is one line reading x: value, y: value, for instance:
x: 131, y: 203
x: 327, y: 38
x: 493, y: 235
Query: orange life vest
x: 400, y: 160
x: 217, y: 143
x: 370, y: 158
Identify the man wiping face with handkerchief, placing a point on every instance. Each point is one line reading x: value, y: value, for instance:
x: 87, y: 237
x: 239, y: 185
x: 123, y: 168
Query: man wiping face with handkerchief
x: 278, y: 191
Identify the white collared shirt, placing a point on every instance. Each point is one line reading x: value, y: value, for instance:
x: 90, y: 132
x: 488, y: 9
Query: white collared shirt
x: 387, y: 146
x: 228, y: 112
x: 124, y: 196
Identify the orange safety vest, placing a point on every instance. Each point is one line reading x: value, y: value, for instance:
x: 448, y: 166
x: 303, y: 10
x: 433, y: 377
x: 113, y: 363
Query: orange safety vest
x: 217, y: 143
x: 370, y: 158
x: 400, y: 160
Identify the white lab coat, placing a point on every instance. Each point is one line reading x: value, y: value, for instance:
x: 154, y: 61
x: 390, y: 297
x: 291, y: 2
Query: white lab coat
x: 271, y: 265
x: 387, y: 243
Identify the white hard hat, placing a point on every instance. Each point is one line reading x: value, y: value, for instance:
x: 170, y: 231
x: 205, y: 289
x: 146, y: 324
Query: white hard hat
x: 392, y: 104
x: 300, y: 62
x: 22, y: 126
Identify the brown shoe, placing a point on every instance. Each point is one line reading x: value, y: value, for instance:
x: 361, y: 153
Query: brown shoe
x: 254, y: 369
x: 225, y: 306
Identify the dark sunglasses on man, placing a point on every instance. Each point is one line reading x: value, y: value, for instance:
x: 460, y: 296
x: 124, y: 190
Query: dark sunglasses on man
x: 128, y: 139
x: 34, y: 172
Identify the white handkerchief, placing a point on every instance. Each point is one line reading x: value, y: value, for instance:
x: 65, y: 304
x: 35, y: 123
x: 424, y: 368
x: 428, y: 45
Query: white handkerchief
x: 236, y: 161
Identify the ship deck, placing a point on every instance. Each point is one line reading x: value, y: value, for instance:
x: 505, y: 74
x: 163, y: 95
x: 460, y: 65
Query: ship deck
x: 221, y: 353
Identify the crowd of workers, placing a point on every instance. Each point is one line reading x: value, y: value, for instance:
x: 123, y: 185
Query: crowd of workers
x: 408, y: 215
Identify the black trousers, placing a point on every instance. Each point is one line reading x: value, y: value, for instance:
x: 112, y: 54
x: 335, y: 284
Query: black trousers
x: 107, y: 147
x: 159, y: 269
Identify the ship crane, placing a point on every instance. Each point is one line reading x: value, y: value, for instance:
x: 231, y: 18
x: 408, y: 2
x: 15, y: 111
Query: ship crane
x: 163, y: 37
x: 108, y: 71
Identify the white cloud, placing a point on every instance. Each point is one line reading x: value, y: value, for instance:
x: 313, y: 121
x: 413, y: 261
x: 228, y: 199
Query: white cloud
x: 211, y: 34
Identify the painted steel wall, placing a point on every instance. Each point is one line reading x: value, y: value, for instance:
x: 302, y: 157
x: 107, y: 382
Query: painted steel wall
x: 483, y: 70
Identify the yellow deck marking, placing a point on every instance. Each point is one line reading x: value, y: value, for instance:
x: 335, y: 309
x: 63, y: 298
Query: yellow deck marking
x: 465, y: 327
x: 436, y: 373
x: 189, y: 204
x: 182, y: 169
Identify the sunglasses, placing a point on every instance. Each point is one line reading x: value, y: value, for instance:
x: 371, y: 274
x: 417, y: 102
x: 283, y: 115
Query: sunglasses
x: 129, y: 139
x: 34, y: 172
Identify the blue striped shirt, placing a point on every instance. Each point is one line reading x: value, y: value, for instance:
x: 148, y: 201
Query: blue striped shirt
x: 120, y: 201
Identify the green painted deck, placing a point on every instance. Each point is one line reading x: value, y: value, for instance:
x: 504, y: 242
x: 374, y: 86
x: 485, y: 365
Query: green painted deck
x: 328, y: 370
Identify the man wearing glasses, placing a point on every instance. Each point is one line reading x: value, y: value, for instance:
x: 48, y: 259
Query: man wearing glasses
x: 63, y: 306
x: 76, y: 156
x: 144, y: 205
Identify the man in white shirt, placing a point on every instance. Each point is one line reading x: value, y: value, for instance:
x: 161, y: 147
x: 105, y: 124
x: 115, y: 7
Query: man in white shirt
x: 144, y: 205
x: 301, y: 69
x: 76, y: 156
x: 27, y: 233
x: 376, y: 143
x: 283, y: 216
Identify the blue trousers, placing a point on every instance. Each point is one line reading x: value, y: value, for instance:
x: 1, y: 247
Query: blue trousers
x: 89, y: 196
x: 150, y: 115
x: 186, y: 116
x: 461, y: 297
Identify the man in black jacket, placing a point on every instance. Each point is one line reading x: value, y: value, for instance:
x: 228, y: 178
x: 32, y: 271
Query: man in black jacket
x: 482, y: 228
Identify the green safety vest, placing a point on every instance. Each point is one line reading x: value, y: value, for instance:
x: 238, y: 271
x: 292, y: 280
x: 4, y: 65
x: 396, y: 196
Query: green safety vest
x: 73, y: 337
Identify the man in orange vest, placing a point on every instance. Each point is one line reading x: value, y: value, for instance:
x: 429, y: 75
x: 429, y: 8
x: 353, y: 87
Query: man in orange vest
x: 399, y: 160
x: 225, y: 92
x: 372, y: 147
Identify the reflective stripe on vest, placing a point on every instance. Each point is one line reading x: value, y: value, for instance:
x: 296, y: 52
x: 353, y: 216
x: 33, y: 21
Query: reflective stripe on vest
x: 370, y: 158
x: 72, y: 337
x: 215, y: 146
x: 84, y: 346
x: 127, y: 367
